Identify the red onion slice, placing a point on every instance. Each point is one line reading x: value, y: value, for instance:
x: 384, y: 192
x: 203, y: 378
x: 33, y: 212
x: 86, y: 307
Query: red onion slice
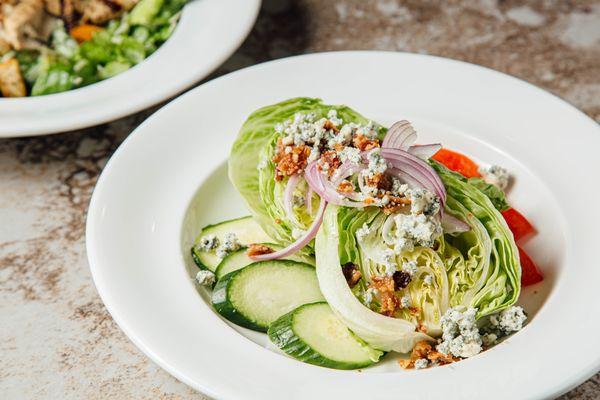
x: 288, y: 198
x: 301, y: 242
x: 326, y: 189
x: 417, y: 168
x: 424, y: 151
x: 451, y: 224
x: 309, y: 193
x: 401, y: 135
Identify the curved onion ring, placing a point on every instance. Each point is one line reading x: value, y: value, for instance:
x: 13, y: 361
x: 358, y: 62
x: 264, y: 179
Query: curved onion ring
x: 424, y: 151
x: 451, y: 224
x: 301, y: 242
x: 400, y: 136
x: 288, y: 198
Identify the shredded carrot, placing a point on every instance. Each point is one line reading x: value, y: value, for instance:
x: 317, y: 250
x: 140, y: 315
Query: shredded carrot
x: 83, y: 33
x: 457, y: 162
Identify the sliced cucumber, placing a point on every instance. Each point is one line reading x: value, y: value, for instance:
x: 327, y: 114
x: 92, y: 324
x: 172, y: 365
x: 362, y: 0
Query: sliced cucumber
x: 246, y: 230
x: 258, y: 294
x: 239, y: 259
x: 314, y: 334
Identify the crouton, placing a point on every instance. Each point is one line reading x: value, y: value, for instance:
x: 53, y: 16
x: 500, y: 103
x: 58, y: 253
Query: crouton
x: 11, y: 80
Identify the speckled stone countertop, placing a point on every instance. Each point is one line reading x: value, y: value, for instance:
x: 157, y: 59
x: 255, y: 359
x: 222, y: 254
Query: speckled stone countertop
x: 56, y: 338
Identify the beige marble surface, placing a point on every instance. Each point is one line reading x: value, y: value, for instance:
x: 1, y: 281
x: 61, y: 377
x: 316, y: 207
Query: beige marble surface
x: 56, y: 338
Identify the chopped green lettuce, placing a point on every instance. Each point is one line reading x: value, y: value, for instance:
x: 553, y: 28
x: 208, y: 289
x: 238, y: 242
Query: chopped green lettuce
x: 494, y: 193
x: 145, y: 11
x: 121, y: 44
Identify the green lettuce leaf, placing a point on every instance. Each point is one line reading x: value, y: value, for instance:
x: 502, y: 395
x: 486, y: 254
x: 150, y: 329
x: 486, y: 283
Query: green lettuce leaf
x: 494, y: 193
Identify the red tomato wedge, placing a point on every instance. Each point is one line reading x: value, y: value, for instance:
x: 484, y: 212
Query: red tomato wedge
x: 518, y: 224
x: 457, y: 162
x: 530, y: 273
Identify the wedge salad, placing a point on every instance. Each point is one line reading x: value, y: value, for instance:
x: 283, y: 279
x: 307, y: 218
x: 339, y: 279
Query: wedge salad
x: 363, y: 242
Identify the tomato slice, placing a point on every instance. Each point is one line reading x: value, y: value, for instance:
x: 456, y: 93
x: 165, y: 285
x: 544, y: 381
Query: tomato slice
x: 518, y: 224
x: 457, y: 162
x: 530, y: 273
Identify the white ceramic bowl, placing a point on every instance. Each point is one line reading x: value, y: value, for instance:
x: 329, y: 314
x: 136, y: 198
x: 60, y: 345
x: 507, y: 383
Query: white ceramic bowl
x: 208, y: 32
x: 168, y: 179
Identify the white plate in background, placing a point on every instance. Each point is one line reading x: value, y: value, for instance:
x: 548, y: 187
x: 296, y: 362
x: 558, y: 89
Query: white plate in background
x: 168, y: 179
x: 208, y: 32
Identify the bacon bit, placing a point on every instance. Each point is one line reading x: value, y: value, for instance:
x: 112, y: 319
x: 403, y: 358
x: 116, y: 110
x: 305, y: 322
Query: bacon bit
x: 383, y: 284
x: 395, y: 204
x: 351, y: 273
x: 332, y: 160
x: 292, y: 162
x: 277, y: 221
x: 406, y: 364
x: 389, y: 301
x: 369, y: 200
x: 424, y: 349
x: 380, y: 181
x: 328, y: 125
x: 414, y: 310
x: 364, y: 144
x: 421, y: 350
x: 345, y: 186
x: 258, y: 249
x: 338, y: 147
x: 422, y: 328
x: 389, y: 304
x: 441, y: 358
x: 374, y: 180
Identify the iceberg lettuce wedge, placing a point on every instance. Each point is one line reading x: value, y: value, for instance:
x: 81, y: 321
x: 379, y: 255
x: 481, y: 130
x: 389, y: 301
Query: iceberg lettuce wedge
x: 332, y: 250
x: 252, y: 171
x: 489, y: 288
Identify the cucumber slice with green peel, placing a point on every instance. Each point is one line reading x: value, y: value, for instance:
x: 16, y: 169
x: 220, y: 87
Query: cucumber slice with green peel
x: 314, y: 334
x: 256, y: 295
x: 239, y: 259
x: 246, y: 229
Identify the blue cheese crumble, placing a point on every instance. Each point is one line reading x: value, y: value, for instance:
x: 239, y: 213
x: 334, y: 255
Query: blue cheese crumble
x: 414, y: 230
x: 230, y: 243
x: 377, y: 163
x: 369, y: 296
x: 367, y: 130
x: 423, y: 201
x: 205, y: 277
x: 460, y: 335
x: 510, y: 320
x: 428, y: 280
x: 405, y: 301
x: 389, y: 262
x: 333, y: 117
x: 489, y: 339
x: 410, y: 267
x: 350, y: 154
x: 399, y: 188
x: 362, y: 232
x: 495, y: 175
x: 421, y: 363
x: 208, y: 243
